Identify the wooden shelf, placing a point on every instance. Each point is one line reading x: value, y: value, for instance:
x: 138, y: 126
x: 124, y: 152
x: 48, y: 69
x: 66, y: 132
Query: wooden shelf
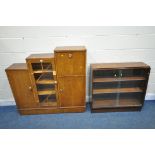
x: 42, y: 71
x: 117, y: 90
x: 45, y: 81
x: 97, y: 104
x: 46, y: 92
x: 118, y: 79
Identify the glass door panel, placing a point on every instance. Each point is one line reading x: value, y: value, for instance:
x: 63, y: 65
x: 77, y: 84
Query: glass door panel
x: 118, y: 87
x: 45, y: 83
x: 133, y: 86
x: 105, y: 88
x: 48, y: 100
x: 41, y: 67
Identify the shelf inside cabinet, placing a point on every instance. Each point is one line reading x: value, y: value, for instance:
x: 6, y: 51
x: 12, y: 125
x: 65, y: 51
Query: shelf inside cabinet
x: 44, y: 78
x: 46, y: 92
x: 42, y: 71
x: 118, y: 79
x: 117, y: 90
x: 97, y: 104
x: 45, y: 81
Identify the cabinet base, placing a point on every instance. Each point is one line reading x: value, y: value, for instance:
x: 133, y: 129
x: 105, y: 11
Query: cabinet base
x: 116, y: 109
x: 51, y: 110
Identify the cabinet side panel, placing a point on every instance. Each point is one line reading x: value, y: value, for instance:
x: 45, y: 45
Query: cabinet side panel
x: 21, y: 88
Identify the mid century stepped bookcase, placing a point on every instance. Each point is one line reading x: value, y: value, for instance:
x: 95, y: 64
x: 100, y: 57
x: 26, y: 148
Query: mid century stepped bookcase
x: 118, y: 86
x: 50, y: 83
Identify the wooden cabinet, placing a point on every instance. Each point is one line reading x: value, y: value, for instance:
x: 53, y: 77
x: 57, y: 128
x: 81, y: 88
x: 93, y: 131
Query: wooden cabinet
x: 118, y: 86
x: 71, y: 75
x: 50, y: 83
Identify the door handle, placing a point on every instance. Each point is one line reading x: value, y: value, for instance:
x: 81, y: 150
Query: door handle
x: 70, y: 55
x: 30, y: 88
x: 61, y: 90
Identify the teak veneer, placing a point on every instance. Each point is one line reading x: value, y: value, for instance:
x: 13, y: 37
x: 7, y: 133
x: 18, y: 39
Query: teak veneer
x: 50, y: 83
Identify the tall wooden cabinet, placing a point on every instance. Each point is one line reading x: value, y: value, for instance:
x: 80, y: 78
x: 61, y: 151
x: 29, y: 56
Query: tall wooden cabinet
x: 71, y: 75
x: 50, y: 83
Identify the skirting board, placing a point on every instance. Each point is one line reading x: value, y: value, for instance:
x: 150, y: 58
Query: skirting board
x: 10, y: 102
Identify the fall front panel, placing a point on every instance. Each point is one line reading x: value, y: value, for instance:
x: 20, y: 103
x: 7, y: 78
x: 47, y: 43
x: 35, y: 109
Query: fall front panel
x: 70, y: 63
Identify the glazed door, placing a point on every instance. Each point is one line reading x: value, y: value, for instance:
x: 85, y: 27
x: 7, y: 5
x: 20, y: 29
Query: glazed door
x: 42, y: 73
x: 71, y: 91
x: 133, y: 83
x: 119, y: 87
x: 105, y: 88
x: 70, y: 63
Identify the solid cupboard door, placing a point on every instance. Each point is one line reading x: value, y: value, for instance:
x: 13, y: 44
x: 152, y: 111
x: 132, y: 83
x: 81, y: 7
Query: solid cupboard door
x: 71, y: 91
x: 71, y: 63
x: 21, y: 88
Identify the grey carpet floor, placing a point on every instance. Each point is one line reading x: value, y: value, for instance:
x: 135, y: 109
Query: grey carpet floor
x: 145, y: 119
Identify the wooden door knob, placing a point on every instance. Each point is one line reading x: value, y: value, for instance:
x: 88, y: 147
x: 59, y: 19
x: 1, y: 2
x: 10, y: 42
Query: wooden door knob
x: 30, y: 88
x: 70, y: 55
x: 61, y: 90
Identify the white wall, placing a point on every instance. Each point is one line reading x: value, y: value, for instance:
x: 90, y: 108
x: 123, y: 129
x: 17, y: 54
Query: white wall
x: 104, y: 44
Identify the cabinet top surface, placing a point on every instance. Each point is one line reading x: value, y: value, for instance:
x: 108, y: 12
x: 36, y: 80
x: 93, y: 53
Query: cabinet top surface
x: 17, y: 66
x: 119, y: 65
x: 69, y: 48
x: 41, y: 56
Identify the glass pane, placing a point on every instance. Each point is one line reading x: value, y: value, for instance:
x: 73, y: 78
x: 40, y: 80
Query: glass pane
x: 132, y: 84
x: 47, y: 66
x: 105, y: 85
x: 105, y: 74
x: 42, y: 87
x: 41, y: 66
x: 119, y: 73
x: 36, y: 66
x: 43, y: 76
x: 105, y: 100
x: 130, y: 99
x: 47, y: 100
x: 133, y: 72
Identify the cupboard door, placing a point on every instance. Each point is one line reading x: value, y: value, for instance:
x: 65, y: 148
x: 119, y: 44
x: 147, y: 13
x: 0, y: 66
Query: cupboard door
x: 71, y: 91
x: 21, y: 88
x: 70, y: 63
